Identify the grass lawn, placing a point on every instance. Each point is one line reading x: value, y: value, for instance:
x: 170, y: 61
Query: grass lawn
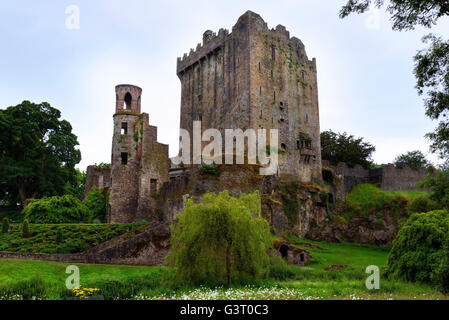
x: 310, y: 282
x: 412, y: 194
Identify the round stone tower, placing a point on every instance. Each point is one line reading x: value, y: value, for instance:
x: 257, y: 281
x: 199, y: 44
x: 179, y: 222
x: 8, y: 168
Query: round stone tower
x: 125, y: 159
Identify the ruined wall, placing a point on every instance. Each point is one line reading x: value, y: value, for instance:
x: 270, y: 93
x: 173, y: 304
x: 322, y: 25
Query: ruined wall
x: 387, y: 178
x: 99, y: 177
x: 401, y: 179
x: 255, y: 78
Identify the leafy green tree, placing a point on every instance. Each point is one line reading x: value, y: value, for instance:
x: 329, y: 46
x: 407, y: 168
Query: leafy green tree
x: 419, y: 247
x: 37, y: 151
x: 405, y: 14
x: 431, y: 64
x: 57, y: 209
x: 77, y: 185
x: 438, y: 182
x: 413, y: 159
x: 220, y: 238
x: 341, y: 147
x: 432, y: 74
x: 97, y: 203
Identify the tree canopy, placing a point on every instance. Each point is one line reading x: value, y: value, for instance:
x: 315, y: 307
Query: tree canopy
x: 342, y: 147
x: 413, y: 159
x: 431, y: 64
x: 220, y: 238
x: 405, y: 14
x: 37, y: 152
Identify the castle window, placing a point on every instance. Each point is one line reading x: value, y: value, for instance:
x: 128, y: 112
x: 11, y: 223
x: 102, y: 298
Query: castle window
x: 273, y: 52
x: 298, y: 144
x: 260, y: 90
x: 307, y: 117
x: 274, y: 95
x: 283, y: 146
x: 303, y: 75
x: 259, y: 66
x: 153, y: 185
x: 124, y: 156
x: 128, y: 100
x: 282, y: 119
x: 124, y: 128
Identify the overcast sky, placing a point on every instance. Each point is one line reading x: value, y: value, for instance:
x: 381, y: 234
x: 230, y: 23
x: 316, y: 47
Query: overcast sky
x: 365, y: 70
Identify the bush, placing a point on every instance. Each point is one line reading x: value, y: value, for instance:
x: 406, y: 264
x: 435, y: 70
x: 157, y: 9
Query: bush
x: 210, y: 169
x: 279, y: 269
x: 5, y: 225
x: 422, y: 203
x: 220, y: 238
x: 442, y: 272
x: 97, y: 204
x: 59, y: 236
x: 418, y: 248
x: 26, y: 229
x: 58, y: 209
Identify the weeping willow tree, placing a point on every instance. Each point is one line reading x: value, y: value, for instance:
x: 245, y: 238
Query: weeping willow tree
x: 219, y: 239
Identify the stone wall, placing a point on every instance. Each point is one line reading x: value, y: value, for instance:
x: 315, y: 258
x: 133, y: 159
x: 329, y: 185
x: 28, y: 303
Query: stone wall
x: 387, y: 178
x: 96, y: 176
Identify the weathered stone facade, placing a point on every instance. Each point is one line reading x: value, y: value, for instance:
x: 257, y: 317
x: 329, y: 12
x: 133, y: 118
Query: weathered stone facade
x: 98, y: 177
x: 256, y: 78
x: 139, y: 164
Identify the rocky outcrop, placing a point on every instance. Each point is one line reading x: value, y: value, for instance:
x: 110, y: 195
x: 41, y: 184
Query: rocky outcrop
x: 365, y: 230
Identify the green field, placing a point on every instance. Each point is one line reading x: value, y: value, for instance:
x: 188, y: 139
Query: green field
x: 310, y: 282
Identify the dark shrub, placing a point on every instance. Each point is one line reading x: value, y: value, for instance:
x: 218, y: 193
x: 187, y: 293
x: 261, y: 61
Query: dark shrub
x: 26, y: 229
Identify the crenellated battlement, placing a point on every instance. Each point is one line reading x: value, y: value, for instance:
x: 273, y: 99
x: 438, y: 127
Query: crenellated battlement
x: 211, y: 42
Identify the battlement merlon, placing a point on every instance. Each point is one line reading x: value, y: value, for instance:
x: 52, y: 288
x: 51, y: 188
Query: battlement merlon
x: 213, y: 41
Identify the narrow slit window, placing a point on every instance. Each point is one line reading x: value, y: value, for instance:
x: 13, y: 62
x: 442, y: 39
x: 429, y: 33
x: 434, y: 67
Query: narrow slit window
x: 124, y: 156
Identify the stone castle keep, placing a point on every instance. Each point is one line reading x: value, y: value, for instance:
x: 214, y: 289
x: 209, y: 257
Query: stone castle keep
x: 256, y: 78
x: 251, y: 78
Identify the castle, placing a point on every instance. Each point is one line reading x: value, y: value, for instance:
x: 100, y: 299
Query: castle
x: 251, y: 78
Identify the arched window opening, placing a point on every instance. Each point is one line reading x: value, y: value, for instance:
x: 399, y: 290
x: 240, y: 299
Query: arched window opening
x: 128, y: 100
x: 283, y: 249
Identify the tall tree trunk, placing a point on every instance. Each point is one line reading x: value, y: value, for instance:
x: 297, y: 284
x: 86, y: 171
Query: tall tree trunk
x: 22, y: 194
x: 228, y: 264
